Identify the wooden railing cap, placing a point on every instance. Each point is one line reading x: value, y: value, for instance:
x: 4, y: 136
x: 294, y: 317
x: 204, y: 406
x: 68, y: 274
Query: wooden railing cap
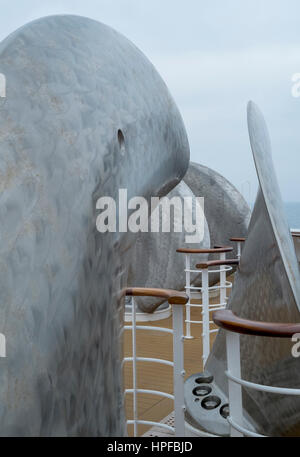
x: 222, y: 246
x: 174, y: 297
x: 227, y: 320
x: 216, y: 263
x: 218, y: 250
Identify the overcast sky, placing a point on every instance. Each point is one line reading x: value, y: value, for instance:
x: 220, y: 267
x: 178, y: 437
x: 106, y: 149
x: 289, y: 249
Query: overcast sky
x: 214, y: 55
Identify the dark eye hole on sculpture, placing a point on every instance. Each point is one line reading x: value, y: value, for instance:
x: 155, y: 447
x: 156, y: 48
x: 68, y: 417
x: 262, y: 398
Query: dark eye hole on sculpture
x: 211, y: 402
x: 121, y: 141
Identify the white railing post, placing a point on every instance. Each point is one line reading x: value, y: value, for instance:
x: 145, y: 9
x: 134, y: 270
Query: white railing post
x: 239, y: 250
x: 2, y: 85
x: 188, y: 292
x: 205, y: 315
x: 234, y: 389
x: 134, y: 369
x: 223, y: 295
x: 178, y: 370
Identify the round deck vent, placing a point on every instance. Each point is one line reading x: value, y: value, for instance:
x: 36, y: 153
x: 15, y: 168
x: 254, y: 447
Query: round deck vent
x: 224, y: 411
x: 201, y: 391
x: 211, y: 402
x: 204, y: 378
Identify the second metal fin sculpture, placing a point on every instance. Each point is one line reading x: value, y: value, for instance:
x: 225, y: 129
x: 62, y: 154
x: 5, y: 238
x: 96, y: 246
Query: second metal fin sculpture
x: 267, y: 288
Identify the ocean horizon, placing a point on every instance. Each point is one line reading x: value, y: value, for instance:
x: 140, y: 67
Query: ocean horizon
x: 292, y: 210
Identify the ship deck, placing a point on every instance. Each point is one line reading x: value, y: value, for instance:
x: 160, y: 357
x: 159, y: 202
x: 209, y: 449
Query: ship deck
x: 160, y: 377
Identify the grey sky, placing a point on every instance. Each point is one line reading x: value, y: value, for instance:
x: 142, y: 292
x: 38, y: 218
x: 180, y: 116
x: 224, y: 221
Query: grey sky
x: 214, y: 55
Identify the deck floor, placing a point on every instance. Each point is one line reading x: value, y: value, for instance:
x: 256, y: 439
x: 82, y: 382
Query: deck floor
x: 156, y: 376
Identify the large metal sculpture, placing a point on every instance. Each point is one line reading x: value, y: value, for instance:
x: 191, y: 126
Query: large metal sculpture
x: 85, y: 115
x: 155, y: 262
x: 267, y: 288
x: 226, y: 211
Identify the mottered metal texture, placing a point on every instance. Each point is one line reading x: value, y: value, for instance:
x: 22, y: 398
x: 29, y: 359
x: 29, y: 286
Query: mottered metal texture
x: 155, y: 262
x: 266, y: 288
x: 225, y: 209
x: 72, y: 84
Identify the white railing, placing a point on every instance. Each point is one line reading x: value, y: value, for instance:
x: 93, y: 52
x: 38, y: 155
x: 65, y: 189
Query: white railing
x: 235, y: 384
x: 178, y: 372
x: 239, y: 249
x: 202, y: 292
x: 141, y: 316
x: 206, y: 306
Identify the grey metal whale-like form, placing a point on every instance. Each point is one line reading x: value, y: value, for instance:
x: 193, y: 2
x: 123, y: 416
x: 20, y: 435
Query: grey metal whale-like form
x: 155, y: 262
x: 226, y: 211
x: 267, y: 288
x: 85, y: 115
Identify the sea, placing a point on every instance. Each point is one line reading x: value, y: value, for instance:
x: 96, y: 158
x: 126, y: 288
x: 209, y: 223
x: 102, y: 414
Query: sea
x: 292, y: 210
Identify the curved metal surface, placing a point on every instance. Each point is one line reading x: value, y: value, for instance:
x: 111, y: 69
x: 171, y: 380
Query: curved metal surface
x: 225, y: 209
x: 86, y: 114
x: 155, y: 262
x: 266, y: 288
x: 296, y: 241
x: 261, y: 148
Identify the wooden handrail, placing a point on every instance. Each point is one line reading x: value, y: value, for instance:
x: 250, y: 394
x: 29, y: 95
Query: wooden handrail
x: 237, y: 239
x: 216, y: 263
x: 218, y: 250
x: 174, y: 297
x: 221, y: 246
x: 227, y: 320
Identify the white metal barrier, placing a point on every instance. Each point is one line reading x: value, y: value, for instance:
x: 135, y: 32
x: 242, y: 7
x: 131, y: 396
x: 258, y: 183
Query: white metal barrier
x: 235, y: 384
x: 206, y: 306
x: 158, y: 315
x: 193, y: 292
x: 178, y: 371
